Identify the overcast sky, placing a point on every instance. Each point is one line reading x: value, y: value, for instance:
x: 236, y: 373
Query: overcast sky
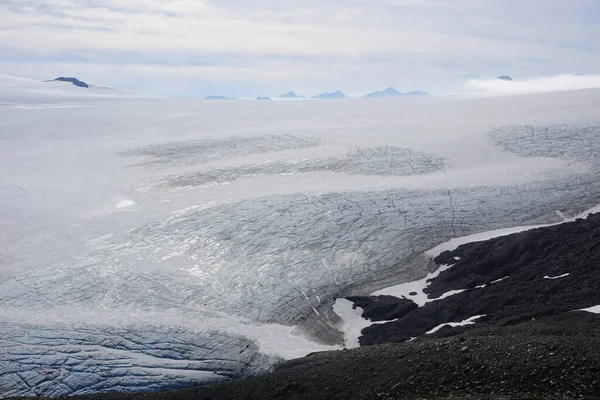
x: 266, y: 47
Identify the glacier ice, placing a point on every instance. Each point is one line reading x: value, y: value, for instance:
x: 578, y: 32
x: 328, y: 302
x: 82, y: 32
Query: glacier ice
x: 203, y: 151
x: 146, y: 239
x: 386, y: 160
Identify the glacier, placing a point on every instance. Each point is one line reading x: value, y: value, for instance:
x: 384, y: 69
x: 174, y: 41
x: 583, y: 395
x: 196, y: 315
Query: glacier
x: 150, y: 243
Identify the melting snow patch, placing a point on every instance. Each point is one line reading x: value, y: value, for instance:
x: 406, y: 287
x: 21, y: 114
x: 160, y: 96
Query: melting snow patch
x: 448, y: 294
x: 404, y: 290
x: 469, y: 321
x: 593, y: 310
x: 125, y: 203
x: 557, y: 277
x: 498, y: 280
x: 352, y: 322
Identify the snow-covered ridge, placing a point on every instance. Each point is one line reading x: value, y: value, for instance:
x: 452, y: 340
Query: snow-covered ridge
x: 90, y: 225
x: 22, y: 93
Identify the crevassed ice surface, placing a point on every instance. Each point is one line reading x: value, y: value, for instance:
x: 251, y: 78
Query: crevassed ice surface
x: 149, y: 243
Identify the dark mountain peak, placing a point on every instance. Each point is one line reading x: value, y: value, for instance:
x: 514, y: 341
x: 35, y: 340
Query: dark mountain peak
x: 290, y: 95
x: 74, y: 81
x: 505, y: 78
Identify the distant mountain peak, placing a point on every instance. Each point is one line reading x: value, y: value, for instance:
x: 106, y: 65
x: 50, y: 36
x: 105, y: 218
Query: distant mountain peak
x: 216, y: 98
x: 74, y: 81
x: 263, y: 98
x: 338, y: 94
x: 290, y: 95
x: 505, y: 78
x: 391, y: 92
x: 417, y: 93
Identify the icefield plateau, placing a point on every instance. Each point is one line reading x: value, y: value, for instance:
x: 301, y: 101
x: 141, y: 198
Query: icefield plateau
x: 151, y: 243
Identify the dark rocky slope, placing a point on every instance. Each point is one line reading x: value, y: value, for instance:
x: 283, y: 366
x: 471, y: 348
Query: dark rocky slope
x: 532, y: 343
x: 520, y: 265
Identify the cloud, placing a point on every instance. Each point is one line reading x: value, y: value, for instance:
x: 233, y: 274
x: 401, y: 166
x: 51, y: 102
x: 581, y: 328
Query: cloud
x: 535, y: 85
x: 320, y: 44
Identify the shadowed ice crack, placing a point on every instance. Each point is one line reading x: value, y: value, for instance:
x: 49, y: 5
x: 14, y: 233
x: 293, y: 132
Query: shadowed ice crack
x: 65, y: 360
x: 207, y: 150
x: 383, y: 160
x: 571, y: 141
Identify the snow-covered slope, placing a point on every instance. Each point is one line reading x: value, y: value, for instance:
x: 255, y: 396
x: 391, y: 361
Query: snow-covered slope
x: 27, y: 93
x: 147, y: 238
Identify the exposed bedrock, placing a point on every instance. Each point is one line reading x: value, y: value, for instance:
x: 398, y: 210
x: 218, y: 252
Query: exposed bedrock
x: 383, y: 308
x: 545, y: 272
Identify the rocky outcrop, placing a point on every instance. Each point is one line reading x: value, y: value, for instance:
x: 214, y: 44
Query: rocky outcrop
x: 544, y: 273
x: 74, y: 81
x: 383, y: 308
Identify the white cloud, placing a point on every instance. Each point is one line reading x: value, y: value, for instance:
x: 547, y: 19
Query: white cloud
x: 535, y: 85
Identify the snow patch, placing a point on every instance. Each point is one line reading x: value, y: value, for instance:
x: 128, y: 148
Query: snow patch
x: 593, y: 310
x: 470, y: 321
x: 557, y: 277
x: 403, y: 290
x: 352, y: 322
x: 125, y: 203
x: 448, y: 294
x: 498, y: 280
